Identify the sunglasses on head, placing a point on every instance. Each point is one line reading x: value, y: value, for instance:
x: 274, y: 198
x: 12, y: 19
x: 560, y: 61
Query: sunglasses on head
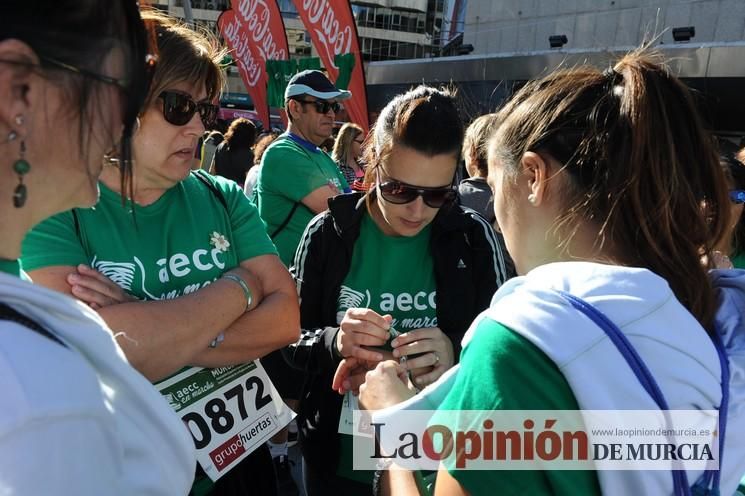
x: 178, y: 109
x: 737, y: 196
x: 322, y: 106
x: 400, y: 193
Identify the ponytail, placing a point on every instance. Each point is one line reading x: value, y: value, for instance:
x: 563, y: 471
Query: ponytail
x: 640, y: 165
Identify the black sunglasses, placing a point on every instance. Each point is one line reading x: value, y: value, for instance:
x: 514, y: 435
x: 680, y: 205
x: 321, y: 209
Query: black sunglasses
x: 400, y: 193
x: 179, y: 108
x: 119, y: 82
x: 322, y: 106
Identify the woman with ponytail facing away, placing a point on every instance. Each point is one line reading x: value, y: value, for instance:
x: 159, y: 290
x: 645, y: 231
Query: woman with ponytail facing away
x: 598, y: 180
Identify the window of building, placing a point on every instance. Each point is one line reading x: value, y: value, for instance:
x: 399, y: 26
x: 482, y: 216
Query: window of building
x: 286, y: 7
x: 375, y: 51
x: 393, y: 50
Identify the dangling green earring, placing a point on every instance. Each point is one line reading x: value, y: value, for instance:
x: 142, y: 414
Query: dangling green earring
x: 21, y: 167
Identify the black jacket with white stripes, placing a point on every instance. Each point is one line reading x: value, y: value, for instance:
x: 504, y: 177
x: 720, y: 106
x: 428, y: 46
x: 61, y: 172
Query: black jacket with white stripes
x: 469, y: 264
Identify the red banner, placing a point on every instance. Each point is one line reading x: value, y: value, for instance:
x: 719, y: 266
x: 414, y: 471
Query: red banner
x: 331, y: 26
x: 254, y: 32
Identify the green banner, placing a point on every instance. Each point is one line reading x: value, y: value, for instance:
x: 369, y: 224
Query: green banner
x: 345, y: 63
x: 279, y: 73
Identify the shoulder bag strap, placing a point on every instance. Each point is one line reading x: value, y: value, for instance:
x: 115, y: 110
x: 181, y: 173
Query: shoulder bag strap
x: 201, y: 175
x: 286, y: 221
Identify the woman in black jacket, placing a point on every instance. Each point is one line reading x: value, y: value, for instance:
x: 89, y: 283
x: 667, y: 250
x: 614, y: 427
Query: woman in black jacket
x: 404, y: 261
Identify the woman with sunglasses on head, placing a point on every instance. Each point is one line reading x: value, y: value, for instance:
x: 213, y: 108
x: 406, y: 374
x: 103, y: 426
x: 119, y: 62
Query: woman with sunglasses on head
x: 76, y: 418
x: 188, y: 275
x: 599, y: 178
x: 404, y: 260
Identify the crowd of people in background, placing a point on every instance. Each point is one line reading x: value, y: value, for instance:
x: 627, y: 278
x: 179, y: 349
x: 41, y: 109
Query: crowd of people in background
x: 494, y: 262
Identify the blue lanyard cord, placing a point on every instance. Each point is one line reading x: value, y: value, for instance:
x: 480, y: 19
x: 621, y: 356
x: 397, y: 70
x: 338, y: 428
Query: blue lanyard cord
x: 623, y: 345
x: 724, y: 364
x: 708, y: 485
x: 642, y: 373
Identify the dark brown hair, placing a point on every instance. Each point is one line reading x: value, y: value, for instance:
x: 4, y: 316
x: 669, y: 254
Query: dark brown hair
x: 80, y: 34
x: 639, y: 162
x: 241, y: 133
x: 184, y: 55
x: 425, y: 119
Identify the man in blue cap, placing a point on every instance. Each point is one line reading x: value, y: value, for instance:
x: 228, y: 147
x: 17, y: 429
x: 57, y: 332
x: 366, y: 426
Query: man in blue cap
x: 297, y: 177
x: 295, y: 181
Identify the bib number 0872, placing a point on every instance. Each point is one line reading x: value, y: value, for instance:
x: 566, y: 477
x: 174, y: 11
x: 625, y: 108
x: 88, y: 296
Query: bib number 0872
x: 220, y: 418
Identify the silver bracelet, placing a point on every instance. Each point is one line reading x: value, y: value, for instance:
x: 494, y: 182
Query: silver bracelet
x: 246, y: 290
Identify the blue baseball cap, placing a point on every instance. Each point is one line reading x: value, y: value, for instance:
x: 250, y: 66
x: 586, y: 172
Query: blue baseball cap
x: 314, y: 83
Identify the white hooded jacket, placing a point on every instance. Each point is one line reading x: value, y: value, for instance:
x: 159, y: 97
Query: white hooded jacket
x: 78, y: 419
x: 675, y: 348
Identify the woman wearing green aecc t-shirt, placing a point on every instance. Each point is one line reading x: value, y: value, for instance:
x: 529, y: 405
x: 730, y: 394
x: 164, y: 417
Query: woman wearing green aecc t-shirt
x: 606, y: 229
x: 403, y: 259
x: 184, y: 272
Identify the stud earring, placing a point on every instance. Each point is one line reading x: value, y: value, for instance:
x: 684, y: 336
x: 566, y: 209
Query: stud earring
x: 21, y: 167
x: 531, y: 198
x: 19, y: 120
x: 12, y: 136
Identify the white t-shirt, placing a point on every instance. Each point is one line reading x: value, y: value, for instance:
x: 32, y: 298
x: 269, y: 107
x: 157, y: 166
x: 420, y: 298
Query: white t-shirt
x: 79, y: 419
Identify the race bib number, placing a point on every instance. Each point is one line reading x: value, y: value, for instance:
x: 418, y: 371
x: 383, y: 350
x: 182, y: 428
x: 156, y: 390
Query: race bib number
x: 346, y: 419
x: 352, y: 420
x: 230, y: 411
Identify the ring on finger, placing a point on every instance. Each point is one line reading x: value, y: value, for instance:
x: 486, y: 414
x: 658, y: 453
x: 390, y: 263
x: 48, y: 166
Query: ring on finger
x: 437, y: 358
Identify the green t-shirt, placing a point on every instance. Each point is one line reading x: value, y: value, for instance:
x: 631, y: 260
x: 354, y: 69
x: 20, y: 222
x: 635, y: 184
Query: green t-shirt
x: 290, y: 170
x: 501, y: 370
x: 391, y: 275
x: 14, y: 268
x: 175, y: 246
